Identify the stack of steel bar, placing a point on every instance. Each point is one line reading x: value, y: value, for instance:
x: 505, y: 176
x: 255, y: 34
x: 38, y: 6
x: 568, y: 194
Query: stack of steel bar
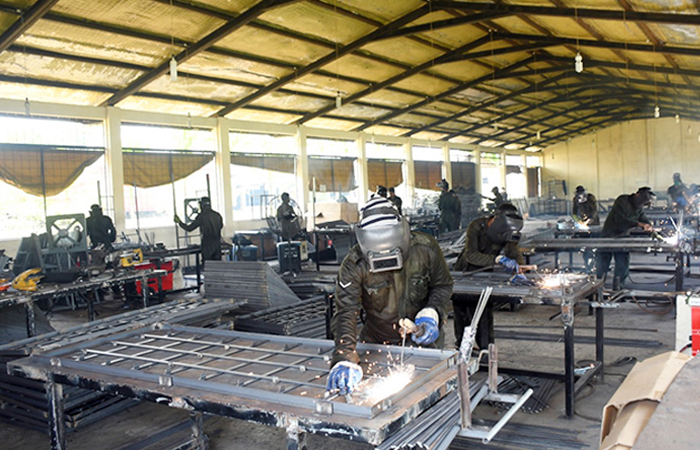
x: 304, y: 319
x: 23, y: 401
x: 255, y: 282
x: 516, y: 436
x: 435, y: 428
x: 542, y: 391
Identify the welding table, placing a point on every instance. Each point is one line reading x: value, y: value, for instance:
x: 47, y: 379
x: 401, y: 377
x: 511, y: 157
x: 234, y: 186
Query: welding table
x: 80, y: 287
x: 470, y: 287
x: 273, y: 380
x: 625, y: 244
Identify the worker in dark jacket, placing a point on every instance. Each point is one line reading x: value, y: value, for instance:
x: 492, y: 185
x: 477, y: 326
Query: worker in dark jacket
x: 498, y: 198
x: 585, y: 208
x: 392, y: 274
x: 287, y: 219
x: 100, y: 228
x: 490, y: 241
x: 678, y: 192
x: 395, y: 199
x: 447, y: 204
x: 626, y: 213
x: 210, y: 224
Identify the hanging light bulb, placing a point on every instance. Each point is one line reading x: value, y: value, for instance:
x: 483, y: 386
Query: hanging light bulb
x: 189, y: 120
x: 690, y: 130
x: 678, y: 118
x: 495, y: 126
x: 538, y: 135
x: 173, y: 69
x: 26, y: 106
x: 657, y: 111
x: 698, y: 137
x: 338, y: 100
x: 578, y: 62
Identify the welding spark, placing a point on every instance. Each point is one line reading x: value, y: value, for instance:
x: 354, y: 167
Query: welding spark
x: 375, y: 389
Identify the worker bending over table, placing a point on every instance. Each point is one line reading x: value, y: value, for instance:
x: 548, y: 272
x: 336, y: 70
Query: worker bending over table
x: 490, y: 241
x: 393, y: 274
x: 626, y: 213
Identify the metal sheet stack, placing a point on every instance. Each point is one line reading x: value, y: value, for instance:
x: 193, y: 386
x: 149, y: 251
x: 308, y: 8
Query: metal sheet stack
x: 23, y: 402
x: 305, y: 319
x: 253, y: 281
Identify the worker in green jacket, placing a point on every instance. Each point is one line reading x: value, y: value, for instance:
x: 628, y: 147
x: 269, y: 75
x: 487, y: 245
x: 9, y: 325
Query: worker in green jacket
x: 491, y: 241
x: 626, y: 213
x: 392, y: 273
x: 210, y: 224
x: 448, y: 205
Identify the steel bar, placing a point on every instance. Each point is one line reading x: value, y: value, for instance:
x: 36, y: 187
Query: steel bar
x: 548, y: 337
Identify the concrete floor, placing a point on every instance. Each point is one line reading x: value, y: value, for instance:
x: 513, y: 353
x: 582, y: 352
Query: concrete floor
x: 629, y: 322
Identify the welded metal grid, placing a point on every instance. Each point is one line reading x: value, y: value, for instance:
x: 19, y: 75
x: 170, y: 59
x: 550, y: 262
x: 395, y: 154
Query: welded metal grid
x: 275, y: 369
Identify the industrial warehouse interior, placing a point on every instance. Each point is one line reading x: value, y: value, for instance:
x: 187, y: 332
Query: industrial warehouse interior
x: 349, y: 224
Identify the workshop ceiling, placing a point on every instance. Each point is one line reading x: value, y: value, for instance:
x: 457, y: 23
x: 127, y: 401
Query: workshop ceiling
x: 492, y: 73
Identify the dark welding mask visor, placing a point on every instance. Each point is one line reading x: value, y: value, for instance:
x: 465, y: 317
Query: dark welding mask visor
x: 505, y: 228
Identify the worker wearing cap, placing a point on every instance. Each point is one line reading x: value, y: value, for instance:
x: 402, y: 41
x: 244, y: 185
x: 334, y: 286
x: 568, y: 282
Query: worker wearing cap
x: 491, y: 241
x: 585, y: 208
x: 447, y: 204
x: 210, y: 223
x: 100, y: 228
x: 626, y: 213
x: 392, y: 273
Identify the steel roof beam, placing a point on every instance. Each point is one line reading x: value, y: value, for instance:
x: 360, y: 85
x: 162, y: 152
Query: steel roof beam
x: 24, y: 22
x: 440, y: 24
x: 460, y: 87
x: 194, y: 49
x: 600, y: 44
x: 342, y: 51
x: 582, y: 13
x: 488, y: 103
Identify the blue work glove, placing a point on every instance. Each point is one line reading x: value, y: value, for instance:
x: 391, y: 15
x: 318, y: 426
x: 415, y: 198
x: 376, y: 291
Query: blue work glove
x: 522, y: 280
x: 344, y: 377
x: 509, y: 263
x: 427, y: 319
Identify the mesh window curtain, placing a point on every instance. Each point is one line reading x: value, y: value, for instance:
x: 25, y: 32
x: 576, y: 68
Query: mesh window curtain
x: 464, y: 175
x: 284, y: 164
x: 384, y: 173
x: 150, y: 169
x: 428, y: 174
x: 332, y: 175
x: 44, y: 170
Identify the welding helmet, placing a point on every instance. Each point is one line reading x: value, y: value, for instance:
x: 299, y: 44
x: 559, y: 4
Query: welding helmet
x: 383, y: 234
x: 443, y: 184
x: 205, y: 202
x: 506, y: 225
x: 644, y: 197
x: 581, y: 194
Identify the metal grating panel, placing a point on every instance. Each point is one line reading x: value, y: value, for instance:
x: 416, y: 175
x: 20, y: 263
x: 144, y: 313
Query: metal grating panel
x: 276, y: 370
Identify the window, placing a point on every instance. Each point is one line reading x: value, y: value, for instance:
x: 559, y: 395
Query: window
x: 163, y: 167
x: 463, y: 170
x: 515, y: 177
x: 48, y: 167
x: 263, y: 166
x: 386, y: 167
x: 332, y: 164
x: 490, y: 172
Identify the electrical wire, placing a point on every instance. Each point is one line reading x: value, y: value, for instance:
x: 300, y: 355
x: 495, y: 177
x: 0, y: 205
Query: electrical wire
x: 647, y: 310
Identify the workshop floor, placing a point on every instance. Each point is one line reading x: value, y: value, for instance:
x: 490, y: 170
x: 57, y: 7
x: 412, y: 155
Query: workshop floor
x: 652, y: 333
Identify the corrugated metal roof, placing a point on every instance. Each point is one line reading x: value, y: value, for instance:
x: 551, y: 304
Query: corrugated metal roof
x: 434, y: 70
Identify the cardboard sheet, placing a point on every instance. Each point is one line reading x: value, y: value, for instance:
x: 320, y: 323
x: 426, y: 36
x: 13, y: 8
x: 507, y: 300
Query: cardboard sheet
x: 628, y: 411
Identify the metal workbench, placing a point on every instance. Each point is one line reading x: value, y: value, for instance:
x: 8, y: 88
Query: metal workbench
x: 273, y: 380
x: 80, y: 287
x: 575, y: 289
x: 624, y: 244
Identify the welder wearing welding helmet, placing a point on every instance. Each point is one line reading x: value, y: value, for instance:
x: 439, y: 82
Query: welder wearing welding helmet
x: 626, y: 213
x: 584, y: 209
x: 392, y: 273
x: 491, y: 241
